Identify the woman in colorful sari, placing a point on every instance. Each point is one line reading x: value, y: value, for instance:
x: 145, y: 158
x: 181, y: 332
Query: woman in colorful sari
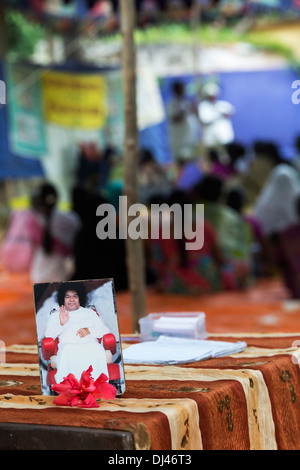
x: 181, y: 270
x: 233, y: 233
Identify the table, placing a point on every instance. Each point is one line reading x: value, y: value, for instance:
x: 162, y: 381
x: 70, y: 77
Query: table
x: 250, y: 400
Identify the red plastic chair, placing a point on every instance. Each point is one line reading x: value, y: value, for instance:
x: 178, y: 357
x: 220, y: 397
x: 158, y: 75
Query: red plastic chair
x: 49, y: 348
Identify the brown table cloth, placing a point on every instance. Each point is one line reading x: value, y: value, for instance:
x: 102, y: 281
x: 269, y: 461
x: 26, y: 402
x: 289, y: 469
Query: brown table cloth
x: 250, y: 400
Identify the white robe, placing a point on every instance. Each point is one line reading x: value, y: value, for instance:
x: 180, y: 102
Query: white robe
x: 76, y: 354
x: 216, y: 121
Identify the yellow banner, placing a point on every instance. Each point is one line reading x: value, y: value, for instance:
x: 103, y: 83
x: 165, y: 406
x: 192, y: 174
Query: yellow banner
x: 74, y: 100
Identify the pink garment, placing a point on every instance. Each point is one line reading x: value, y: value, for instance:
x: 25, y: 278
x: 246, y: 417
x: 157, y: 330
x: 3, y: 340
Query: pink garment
x: 64, y: 227
x: 21, y: 240
x: 56, y: 266
x: 24, y: 238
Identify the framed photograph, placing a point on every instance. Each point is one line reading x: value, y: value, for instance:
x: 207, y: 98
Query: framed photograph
x: 77, y: 327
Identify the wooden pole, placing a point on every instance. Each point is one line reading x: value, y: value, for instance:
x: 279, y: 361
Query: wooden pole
x: 195, y: 23
x: 134, y: 248
x: 196, y: 44
x: 8, y: 186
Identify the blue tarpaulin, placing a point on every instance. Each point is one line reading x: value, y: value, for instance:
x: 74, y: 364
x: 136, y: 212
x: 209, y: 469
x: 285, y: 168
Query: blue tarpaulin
x: 264, y: 111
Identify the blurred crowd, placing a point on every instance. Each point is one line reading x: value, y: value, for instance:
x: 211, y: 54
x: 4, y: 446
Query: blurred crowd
x: 251, y: 225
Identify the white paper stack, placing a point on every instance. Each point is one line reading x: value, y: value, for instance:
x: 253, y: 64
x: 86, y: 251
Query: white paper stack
x: 183, y: 324
x: 170, y: 350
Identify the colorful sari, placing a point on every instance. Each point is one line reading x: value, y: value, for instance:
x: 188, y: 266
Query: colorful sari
x: 235, y: 241
x: 200, y: 273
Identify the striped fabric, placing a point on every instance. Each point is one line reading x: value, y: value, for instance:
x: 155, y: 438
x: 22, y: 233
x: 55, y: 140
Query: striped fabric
x: 245, y: 401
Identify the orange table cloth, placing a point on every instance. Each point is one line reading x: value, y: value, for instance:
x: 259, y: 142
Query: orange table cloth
x: 250, y: 400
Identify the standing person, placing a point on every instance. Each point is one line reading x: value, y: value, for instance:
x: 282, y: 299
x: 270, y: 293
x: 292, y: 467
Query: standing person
x: 215, y: 117
x: 275, y: 207
x: 55, y: 238
x: 183, y: 125
x: 95, y: 258
x: 78, y: 329
x: 20, y: 241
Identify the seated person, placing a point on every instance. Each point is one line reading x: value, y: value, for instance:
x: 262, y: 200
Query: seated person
x: 233, y: 233
x: 288, y: 256
x: 78, y: 329
x: 152, y: 178
x: 185, y: 271
x: 261, y: 250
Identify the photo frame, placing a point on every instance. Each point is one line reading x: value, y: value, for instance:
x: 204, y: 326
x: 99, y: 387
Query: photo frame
x: 77, y: 326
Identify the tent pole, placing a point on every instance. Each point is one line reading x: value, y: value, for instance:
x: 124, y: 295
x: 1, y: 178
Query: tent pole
x: 134, y: 248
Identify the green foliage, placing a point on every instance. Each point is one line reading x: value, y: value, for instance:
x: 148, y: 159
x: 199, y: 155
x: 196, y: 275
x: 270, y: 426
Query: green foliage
x: 208, y: 34
x: 23, y: 34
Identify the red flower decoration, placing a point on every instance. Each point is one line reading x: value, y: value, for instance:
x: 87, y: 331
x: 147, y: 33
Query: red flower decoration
x: 85, y: 392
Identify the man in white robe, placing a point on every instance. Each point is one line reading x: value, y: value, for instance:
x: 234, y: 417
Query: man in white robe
x: 215, y: 116
x: 78, y: 329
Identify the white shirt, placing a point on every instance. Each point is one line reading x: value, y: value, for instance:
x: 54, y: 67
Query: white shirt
x: 81, y: 318
x: 215, y: 119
